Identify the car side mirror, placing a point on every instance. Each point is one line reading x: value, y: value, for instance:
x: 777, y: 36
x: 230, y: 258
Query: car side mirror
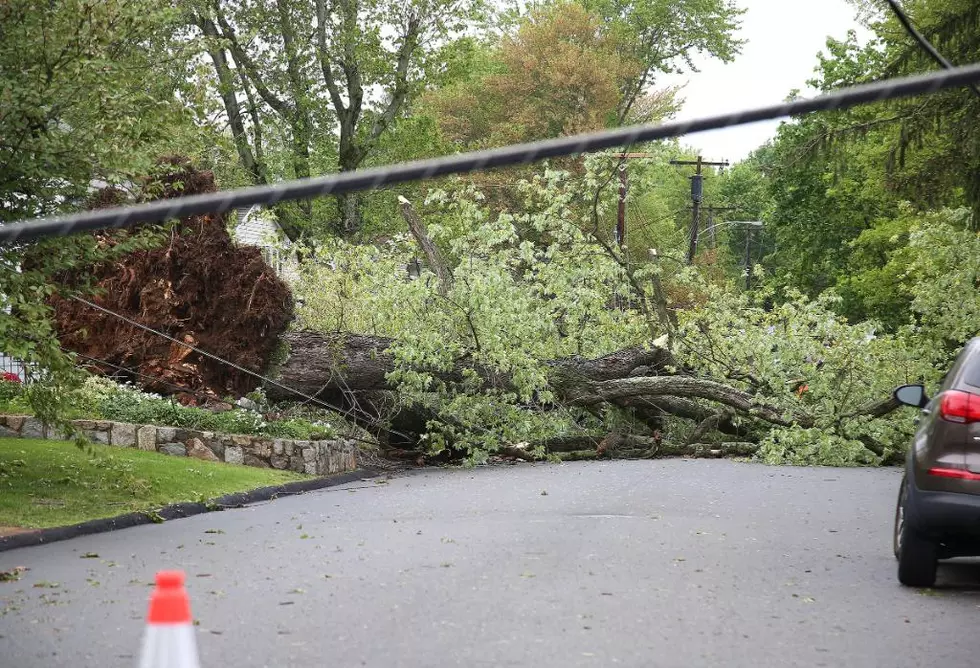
x: 911, y: 395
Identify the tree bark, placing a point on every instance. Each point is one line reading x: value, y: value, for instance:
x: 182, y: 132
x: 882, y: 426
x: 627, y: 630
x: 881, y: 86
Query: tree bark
x: 355, y: 362
x: 428, y: 247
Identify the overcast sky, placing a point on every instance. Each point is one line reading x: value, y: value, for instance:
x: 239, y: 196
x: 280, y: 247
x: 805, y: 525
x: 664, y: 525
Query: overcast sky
x: 784, y: 37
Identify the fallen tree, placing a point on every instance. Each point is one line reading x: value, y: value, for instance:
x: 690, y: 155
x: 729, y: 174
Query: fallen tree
x: 353, y: 370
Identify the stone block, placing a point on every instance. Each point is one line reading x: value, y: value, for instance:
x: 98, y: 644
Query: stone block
x: 56, y: 434
x: 234, y: 455
x: 175, y: 449
x: 85, y: 425
x: 252, y: 460
x: 15, y: 422
x: 123, y: 434
x: 33, y: 428
x: 241, y: 441
x: 309, y: 453
x: 280, y: 462
x: 277, y: 447
x: 288, y: 448
x: 217, y: 447
x: 166, y: 435
x: 261, y: 449
x: 310, y: 468
x: 6, y: 432
x: 146, y: 438
x: 197, y: 450
x: 297, y: 464
x: 98, y: 436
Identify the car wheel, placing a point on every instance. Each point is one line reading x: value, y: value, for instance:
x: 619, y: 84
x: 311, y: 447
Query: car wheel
x: 899, y: 518
x: 916, y: 554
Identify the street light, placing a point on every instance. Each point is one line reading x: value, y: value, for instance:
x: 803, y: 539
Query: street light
x: 750, y: 223
x: 748, y: 248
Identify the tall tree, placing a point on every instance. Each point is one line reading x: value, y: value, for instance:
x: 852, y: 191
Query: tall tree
x: 330, y: 77
x: 82, y: 96
x: 558, y: 74
x: 662, y: 36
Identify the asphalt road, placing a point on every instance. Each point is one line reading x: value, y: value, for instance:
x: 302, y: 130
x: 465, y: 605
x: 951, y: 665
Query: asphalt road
x: 669, y: 563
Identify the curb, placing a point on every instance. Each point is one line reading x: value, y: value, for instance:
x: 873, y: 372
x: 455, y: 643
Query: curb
x: 179, y: 510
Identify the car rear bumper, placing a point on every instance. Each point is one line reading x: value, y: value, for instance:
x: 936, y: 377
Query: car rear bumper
x: 942, y: 514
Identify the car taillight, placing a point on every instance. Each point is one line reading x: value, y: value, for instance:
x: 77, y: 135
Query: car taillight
x: 959, y: 406
x: 959, y: 474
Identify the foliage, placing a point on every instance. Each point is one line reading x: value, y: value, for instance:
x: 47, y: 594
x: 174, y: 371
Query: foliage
x: 103, y: 399
x: 943, y: 280
x: 664, y: 35
x: 513, y: 305
x: 52, y: 483
x: 324, y: 82
x: 803, y: 358
x: 559, y: 74
x: 10, y: 387
x: 82, y: 96
x: 99, y: 398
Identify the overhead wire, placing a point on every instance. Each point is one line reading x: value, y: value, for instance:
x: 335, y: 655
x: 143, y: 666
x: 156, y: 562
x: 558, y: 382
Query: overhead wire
x: 924, y: 43
x: 519, y: 154
x: 323, y: 404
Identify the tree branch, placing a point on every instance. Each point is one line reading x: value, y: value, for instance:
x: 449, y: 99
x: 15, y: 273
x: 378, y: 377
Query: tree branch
x: 687, y: 387
x: 228, y: 33
x: 429, y: 249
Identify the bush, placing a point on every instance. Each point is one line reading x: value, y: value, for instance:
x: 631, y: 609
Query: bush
x: 10, y: 387
x: 101, y: 398
x: 143, y: 408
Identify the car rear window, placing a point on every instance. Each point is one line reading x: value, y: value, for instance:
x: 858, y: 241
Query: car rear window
x: 971, y: 374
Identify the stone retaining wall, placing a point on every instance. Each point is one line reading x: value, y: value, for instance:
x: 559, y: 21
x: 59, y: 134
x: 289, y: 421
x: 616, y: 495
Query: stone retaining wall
x: 311, y: 457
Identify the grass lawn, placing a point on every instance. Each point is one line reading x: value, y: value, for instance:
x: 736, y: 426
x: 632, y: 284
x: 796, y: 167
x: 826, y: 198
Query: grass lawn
x: 54, y: 483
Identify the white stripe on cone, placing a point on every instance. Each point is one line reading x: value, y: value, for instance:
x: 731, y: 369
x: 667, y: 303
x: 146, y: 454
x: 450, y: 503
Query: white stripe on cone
x: 169, y: 646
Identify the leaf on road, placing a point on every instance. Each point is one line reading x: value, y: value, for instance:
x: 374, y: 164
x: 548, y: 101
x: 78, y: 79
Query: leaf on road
x: 214, y: 531
x: 13, y: 574
x: 90, y: 555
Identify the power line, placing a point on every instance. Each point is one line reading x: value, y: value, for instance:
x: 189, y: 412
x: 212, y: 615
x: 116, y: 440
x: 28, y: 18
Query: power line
x: 139, y: 374
x: 927, y: 46
x: 96, y: 360
x: 519, y: 154
x: 134, y: 323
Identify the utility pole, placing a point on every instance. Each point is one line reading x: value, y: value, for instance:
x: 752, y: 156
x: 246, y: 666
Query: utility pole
x: 697, y: 195
x: 623, y: 187
x: 621, y: 219
x: 748, y: 259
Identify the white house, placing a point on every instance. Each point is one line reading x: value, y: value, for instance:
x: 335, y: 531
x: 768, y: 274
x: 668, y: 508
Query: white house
x: 255, y: 226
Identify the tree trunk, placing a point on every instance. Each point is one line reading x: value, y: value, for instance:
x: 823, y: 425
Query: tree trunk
x: 349, y: 207
x: 342, y: 362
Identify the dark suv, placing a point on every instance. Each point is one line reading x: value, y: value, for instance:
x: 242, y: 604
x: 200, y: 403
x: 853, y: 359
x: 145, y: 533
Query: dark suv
x: 938, y: 513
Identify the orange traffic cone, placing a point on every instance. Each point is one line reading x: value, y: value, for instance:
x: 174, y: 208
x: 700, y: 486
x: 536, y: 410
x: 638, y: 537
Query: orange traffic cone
x: 169, y: 640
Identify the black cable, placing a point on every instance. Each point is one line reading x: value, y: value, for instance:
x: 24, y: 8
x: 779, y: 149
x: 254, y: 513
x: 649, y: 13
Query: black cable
x: 927, y: 46
x: 97, y: 361
x: 328, y: 406
x: 519, y: 154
